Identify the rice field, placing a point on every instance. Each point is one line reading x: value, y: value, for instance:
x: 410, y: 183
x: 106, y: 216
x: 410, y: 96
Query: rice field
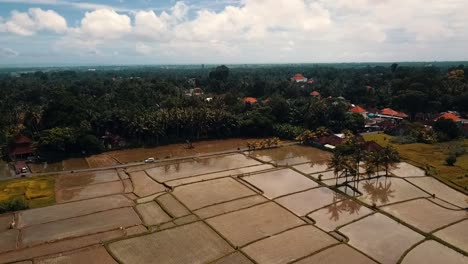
x: 432, y: 157
x: 236, y: 208
x: 37, y: 191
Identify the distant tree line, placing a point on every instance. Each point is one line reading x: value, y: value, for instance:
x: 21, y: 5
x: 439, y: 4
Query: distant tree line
x: 78, y: 111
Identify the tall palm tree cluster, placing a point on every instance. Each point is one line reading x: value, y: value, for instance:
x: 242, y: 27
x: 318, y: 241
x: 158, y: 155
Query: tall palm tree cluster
x: 348, y: 158
x: 164, y: 125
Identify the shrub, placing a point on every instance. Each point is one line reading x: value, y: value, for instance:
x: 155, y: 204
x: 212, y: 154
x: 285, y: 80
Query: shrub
x: 306, y: 137
x: 13, y: 205
x: 451, y: 159
x: 447, y: 129
x: 287, y: 131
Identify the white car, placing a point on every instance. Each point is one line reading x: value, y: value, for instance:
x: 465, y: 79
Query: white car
x: 149, y: 160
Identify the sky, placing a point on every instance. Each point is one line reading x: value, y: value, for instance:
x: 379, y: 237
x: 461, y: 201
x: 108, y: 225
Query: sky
x: 110, y: 32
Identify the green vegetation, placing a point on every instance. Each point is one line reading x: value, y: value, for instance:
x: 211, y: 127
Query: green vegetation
x: 70, y: 112
x: 432, y: 158
x: 451, y: 159
x: 25, y: 193
x: 347, y: 158
x: 13, y: 205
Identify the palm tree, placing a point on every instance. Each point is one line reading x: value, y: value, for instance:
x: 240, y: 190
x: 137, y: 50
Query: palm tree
x: 389, y: 157
x: 337, y: 163
x: 372, y: 162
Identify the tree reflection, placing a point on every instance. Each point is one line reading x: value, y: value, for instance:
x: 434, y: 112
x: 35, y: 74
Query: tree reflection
x: 379, y: 191
x: 347, y: 206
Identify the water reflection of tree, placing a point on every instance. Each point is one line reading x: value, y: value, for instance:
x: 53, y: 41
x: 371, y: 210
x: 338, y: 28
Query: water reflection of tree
x: 347, y: 206
x: 379, y: 191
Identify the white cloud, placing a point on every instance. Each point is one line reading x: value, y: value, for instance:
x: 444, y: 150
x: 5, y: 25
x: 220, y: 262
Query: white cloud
x: 262, y: 30
x: 7, y: 52
x: 104, y: 24
x: 143, y: 48
x: 36, y: 19
x: 67, y: 3
x: 48, y: 20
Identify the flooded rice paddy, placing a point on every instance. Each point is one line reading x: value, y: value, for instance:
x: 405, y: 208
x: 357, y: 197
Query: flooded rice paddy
x: 381, y: 237
x: 117, y: 157
x: 267, y: 206
x: 292, y: 155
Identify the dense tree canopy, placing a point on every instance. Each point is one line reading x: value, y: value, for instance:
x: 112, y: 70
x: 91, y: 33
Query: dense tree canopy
x: 80, y: 111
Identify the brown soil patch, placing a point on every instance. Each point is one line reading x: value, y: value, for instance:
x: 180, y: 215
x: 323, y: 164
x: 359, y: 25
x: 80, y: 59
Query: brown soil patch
x: 456, y: 235
x: 200, y: 166
x: 101, y: 161
x: 201, y: 194
x: 221, y: 174
x: 97, y: 254
x: 185, y: 244
x: 424, y: 215
x: 247, y: 225
x: 63, y: 181
x: 442, y: 191
x: 230, y: 206
x: 338, y: 255
x: 310, y: 168
x: 143, y: 185
x: 382, y: 191
x: 172, y: 206
x: 235, y: 258
x: 305, y: 202
x: 89, y: 191
x: 381, y: 237
x: 152, y: 213
x: 8, y: 240
x: 60, y: 246
x: 432, y: 252
x: 291, y: 155
x: 289, y: 246
x: 69, y: 210
x: 79, y: 226
x: 404, y: 169
x: 338, y: 214
x: 280, y: 182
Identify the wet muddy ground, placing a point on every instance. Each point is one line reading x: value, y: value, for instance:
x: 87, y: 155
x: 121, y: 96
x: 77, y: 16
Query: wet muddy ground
x: 267, y: 206
x: 138, y: 155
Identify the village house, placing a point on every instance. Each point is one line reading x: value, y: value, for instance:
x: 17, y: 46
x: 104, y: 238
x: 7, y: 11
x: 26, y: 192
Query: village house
x: 358, y: 110
x: 315, y: 94
x: 20, y: 148
x: 449, y: 116
x: 250, y: 100
x: 299, y: 78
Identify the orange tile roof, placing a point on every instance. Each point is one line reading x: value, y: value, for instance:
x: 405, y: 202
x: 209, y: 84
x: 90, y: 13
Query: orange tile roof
x: 391, y: 112
x: 357, y: 109
x: 298, y: 77
x: 448, y: 116
x: 250, y: 100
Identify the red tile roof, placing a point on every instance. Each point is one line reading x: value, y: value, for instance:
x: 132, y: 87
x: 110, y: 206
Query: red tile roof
x: 315, y: 93
x: 250, y: 100
x: 298, y: 77
x: 22, y: 140
x: 448, y: 116
x: 331, y: 140
x: 357, y: 109
x: 391, y: 112
x: 21, y: 150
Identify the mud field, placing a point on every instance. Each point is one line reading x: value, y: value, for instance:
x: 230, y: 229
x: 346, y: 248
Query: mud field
x: 269, y: 206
